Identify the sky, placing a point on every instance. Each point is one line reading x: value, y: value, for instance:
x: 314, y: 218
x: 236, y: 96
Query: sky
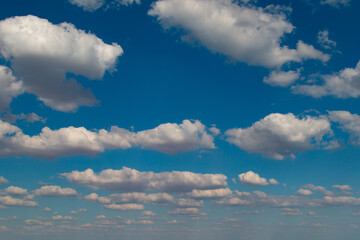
x: 179, y: 119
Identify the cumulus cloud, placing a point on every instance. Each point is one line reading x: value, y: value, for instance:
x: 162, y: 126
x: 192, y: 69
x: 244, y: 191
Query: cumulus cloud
x: 282, y: 79
x: 9, y: 201
x: 16, y: 191
x: 349, y: 123
x: 88, y: 5
x: 125, y: 207
x: 169, y: 138
x: 342, y: 187
x: 29, y: 117
x: 336, y: 3
x: 343, y: 84
x: 10, y: 87
x: 304, y: 192
x: 94, y: 197
x: 128, y: 2
x: 280, y: 136
x: 253, y: 179
x: 324, y: 41
x: 186, y: 212
x: 41, y: 54
x: 55, y: 191
x: 341, y: 200
x: 2, y: 179
x: 320, y: 189
x: 209, y: 194
x: 62, y: 218
x: 128, y: 179
x: 243, y: 32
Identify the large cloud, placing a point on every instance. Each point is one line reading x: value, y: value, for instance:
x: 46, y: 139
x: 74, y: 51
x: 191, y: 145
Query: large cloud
x: 343, y: 84
x: 279, y: 136
x: 240, y: 31
x: 42, y: 53
x: 10, y: 87
x: 128, y: 179
x: 253, y: 179
x: 350, y: 123
x: 168, y: 138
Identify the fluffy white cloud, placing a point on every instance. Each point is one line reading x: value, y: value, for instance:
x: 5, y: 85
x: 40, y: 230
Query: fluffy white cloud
x: 186, y: 212
x: 324, y: 41
x: 125, y: 207
x: 343, y: 84
x: 209, y: 194
x: 282, y: 79
x: 279, y: 136
x: 16, y: 191
x: 253, y: 179
x: 291, y: 212
x: 350, y: 123
x: 2, y: 179
x: 304, y: 192
x: 342, y: 187
x: 341, y: 200
x: 9, y: 201
x: 320, y: 189
x: 128, y: 179
x: 62, y: 218
x: 42, y: 53
x: 168, y: 138
x: 240, y: 31
x: 10, y: 87
x: 94, y: 197
x: 55, y: 191
x: 336, y: 3
x: 88, y: 5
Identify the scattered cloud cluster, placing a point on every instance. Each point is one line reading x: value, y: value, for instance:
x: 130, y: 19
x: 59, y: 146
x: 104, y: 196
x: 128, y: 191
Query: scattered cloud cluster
x: 168, y: 138
x: 128, y: 179
x: 343, y: 84
x: 240, y: 31
x: 55, y: 191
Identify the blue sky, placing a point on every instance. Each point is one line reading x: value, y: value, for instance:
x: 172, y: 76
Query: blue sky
x: 191, y: 119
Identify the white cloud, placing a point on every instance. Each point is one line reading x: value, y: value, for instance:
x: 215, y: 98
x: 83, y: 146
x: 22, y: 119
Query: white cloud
x: 279, y: 136
x: 343, y: 84
x: 169, y: 138
x: 186, y: 212
x: 128, y: 179
x: 209, y: 194
x: 16, y: 191
x: 148, y: 213
x: 55, y: 191
x: 242, y: 32
x: 320, y: 189
x: 282, y: 79
x: 9, y: 201
x: 291, y: 212
x: 342, y: 187
x: 253, y: 179
x: 350, y: 123
x: 336, y: 3
x: 128, y: 2
x: 10, y: 87
x: 341, y: 200
x: 304, y: 192
x: 94, y: 197
x: 88, y: 5
x: 2, y: 179
x: 324, y: 41
x: 125, y: 207
x: 42, y: 53
x: 62, y: 218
